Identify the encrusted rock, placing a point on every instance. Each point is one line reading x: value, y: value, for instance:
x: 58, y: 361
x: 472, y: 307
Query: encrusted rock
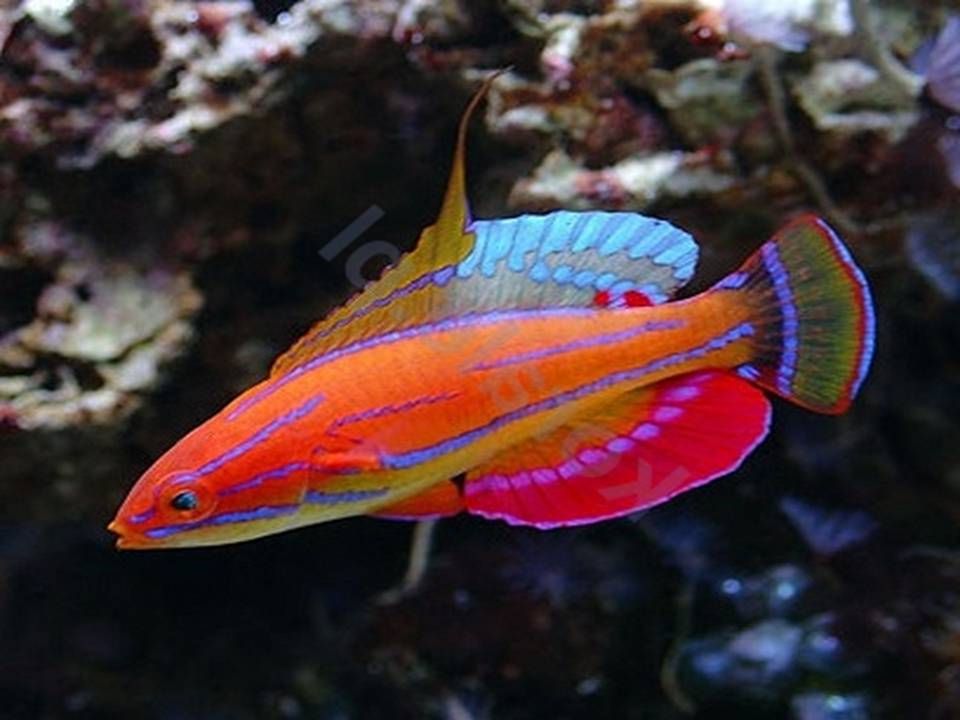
x: 102, y: 331
x: 707, y: 100
x: 182, y: 69
x: 636, y: 182
x: 848, y: 96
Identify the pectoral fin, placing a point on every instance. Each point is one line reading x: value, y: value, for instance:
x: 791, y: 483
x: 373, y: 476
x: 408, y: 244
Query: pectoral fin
x: 440, y: 500
x: 346, y: 463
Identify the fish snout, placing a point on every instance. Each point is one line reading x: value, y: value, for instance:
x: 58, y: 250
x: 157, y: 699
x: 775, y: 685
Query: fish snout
x: 127, y: 539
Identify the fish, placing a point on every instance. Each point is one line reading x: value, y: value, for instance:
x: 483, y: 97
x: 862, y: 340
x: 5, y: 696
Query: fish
x: 534, y: 369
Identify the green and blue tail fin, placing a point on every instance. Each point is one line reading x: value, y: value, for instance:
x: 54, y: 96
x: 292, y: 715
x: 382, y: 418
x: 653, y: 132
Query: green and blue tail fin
x: 814, y: 317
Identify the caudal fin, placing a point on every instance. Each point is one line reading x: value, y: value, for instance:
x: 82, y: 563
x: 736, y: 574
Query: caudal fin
x: 814, y: 317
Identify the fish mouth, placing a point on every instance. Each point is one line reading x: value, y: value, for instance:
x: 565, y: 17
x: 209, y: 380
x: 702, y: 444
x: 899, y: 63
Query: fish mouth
x: 124, y: 540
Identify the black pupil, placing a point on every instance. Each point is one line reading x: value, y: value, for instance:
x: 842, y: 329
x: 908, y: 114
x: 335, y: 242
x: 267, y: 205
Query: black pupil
x: 185, y: 500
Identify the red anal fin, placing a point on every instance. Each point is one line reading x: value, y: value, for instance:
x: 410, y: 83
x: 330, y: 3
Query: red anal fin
x: 640, y: 451
x: 440, y: 500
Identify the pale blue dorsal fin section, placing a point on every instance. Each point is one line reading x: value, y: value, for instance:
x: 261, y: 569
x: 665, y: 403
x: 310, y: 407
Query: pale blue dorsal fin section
x: 565, y: 258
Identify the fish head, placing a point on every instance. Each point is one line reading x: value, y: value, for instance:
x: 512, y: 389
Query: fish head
x: 197, y: 494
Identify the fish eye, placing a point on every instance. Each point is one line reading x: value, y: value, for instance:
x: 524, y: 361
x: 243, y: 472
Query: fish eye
x: 183, y: 497
x: 185, y: 501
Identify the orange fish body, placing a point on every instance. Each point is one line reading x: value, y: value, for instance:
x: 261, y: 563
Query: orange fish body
x: 535, y: 355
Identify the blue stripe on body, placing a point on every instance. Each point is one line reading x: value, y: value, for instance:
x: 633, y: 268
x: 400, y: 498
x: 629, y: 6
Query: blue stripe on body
x: 454, y: 323
x: 268, y: 512
x: 277, y: 473
x: 265, y: 512
x: 319, y: 497
x: 581, y: 344
x: 392, y: 409
x: 423, y: 455
x: 259, y: 436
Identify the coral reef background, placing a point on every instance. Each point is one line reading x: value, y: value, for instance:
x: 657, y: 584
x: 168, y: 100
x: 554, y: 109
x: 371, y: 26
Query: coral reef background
x: 171, y: 174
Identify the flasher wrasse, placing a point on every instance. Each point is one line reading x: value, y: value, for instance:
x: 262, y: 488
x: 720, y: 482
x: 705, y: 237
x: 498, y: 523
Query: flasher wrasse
x: 531, y: 369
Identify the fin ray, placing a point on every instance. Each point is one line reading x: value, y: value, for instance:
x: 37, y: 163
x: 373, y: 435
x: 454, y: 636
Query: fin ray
x: 565, y: 258
x: 813, y: 313
x: 630, y: 455
x: 406, y: 292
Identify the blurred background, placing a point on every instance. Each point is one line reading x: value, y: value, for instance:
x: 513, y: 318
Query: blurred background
x: 169, y: 173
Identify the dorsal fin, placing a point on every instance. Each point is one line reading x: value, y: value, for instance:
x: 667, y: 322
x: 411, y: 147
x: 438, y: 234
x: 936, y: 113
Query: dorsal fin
x: 565, y: 258
x: 455, y: 210
x: 405, y: 293
x: 532, y: 261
